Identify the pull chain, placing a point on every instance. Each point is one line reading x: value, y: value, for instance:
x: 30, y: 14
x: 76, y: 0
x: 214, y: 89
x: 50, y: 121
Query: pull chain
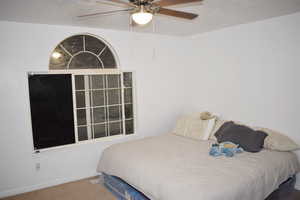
x: 153, y: 25
x: 130, y: 23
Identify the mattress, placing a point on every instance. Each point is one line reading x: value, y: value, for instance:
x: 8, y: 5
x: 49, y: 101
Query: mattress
x: 171, y: 167
x: 121, y: 189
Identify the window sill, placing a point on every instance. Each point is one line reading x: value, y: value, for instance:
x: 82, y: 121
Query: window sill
x: 98, y: 140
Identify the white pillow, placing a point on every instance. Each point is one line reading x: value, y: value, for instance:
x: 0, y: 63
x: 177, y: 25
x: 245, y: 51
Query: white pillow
x: 192, y: 126
x: 277, y: 141
x: 209, y: 128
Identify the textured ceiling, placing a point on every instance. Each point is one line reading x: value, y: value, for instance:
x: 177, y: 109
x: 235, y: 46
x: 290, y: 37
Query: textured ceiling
x: 213, y: 14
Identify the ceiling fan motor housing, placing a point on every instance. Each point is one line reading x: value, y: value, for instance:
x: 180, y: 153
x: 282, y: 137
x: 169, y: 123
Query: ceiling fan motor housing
x: 141, y: 2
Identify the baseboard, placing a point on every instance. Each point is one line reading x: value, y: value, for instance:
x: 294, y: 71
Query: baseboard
x: 297, y: 184
x: 54, y: 182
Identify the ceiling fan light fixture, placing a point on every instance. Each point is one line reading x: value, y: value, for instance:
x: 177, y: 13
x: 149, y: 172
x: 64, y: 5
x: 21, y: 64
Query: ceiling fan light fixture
x: 142, y: 17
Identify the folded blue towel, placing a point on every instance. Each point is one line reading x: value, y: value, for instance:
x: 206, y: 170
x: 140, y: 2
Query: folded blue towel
x: 228, y: 149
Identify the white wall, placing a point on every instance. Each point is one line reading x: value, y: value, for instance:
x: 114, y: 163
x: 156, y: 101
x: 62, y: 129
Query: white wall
x: 250, y: 73
x: 247, y: 73
x: 160, y: 80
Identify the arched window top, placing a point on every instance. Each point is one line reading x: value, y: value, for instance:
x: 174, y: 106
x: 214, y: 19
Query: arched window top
x: 83, y: 51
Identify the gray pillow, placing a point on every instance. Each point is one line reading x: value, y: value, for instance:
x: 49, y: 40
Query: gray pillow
x: 249, y: 139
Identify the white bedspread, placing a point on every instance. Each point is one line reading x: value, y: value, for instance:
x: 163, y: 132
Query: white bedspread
x: 171, y: 167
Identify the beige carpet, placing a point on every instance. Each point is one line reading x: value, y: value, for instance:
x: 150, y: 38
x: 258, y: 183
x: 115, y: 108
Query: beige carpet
x: 85, y: 190
x: 78, y: 190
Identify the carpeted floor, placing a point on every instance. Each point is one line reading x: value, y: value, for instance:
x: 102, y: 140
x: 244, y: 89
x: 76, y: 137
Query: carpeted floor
x: 78, y: 190
x: 85, y: 190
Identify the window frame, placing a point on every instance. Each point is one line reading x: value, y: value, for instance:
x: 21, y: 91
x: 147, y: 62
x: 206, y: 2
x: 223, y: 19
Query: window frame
x: 101, y: 39
x: 73, y: 73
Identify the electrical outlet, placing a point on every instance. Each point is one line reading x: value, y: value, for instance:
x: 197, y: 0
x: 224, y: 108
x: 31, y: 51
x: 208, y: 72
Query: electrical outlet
x: 37, y: 166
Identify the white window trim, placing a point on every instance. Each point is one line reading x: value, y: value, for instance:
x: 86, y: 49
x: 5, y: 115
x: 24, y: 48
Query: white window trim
x: 93, y: 72
x: 102, y: 40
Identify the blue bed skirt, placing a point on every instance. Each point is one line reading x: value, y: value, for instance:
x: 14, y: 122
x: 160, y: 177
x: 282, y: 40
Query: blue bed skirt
x: 121, y: 189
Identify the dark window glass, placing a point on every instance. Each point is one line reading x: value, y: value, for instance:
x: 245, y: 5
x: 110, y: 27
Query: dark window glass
x: 113, y: 81
x: 51, y: 105
x: 127, y: 78
x: 128, y: 111
x: 129, y: 127
x: 79, y: 82
x: 81, y: 117
x: 98, y: 98
x: 108, y: 59
x: 115, y: 113
x: 99, y: 130
x: 99, y: 115
x: 93, y: 44
x: 128, y: 95
x: 85, y: 61
x: 80, y: 99
x: 115, y: 128
x: 73, y: 44
x: 97, y: 81
x: 114, y: 96
x: 82, y: 133
x: 61, y: 61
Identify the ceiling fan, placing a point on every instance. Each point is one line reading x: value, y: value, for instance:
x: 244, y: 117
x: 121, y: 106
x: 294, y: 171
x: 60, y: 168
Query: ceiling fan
x: 142, y: 11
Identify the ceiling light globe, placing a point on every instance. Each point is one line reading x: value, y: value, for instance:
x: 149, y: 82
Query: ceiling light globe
x: 142, y: 18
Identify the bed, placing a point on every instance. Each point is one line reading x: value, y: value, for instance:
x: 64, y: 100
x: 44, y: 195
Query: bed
x: 172, y: 167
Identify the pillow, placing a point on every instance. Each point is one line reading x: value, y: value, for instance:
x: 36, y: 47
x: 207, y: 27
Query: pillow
x: 218, y: 123
x: 193, y: 127
x: 277, y: 141
x: 209, y: 128
x: 274, y: 141
x: 224, y: 127
x: 249, y: 139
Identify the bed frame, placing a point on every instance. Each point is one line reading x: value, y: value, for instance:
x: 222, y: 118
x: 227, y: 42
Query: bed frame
x: 123, y: 191
x: 120, y: 189
x: 284, y: 190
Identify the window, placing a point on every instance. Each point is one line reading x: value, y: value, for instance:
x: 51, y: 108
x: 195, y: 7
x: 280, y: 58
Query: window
x: 103, y: 103
x: 82, y: 52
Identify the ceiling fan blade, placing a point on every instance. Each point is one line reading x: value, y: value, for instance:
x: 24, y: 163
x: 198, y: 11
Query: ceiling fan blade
x: 120, y: 2
x: 176, y: 13
x: 110, y: 3
x: 104, y: 13
x: 164, y: 3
